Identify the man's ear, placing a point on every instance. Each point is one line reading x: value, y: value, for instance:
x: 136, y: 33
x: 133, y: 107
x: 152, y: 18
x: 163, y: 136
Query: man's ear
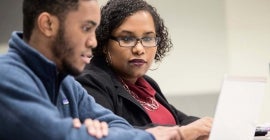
x: 48, y: 24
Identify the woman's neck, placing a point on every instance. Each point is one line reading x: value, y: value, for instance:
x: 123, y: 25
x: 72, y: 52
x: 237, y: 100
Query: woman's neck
x: 131, y: 80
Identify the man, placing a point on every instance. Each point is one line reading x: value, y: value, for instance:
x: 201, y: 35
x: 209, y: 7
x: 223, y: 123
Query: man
x: 38, y: 98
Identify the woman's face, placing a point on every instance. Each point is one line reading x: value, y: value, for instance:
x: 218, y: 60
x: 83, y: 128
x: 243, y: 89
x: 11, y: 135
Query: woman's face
x: 133, y: 62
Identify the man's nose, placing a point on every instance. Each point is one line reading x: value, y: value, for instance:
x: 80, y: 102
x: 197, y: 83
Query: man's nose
x: 91, y: 41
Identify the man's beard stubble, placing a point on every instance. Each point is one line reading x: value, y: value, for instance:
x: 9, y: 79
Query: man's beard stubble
x: 62, y: 49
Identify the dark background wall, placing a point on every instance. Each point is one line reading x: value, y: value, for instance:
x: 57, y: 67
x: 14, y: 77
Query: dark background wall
x: 10, y: 18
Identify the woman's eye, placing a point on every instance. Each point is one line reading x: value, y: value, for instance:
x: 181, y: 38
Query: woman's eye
x: 127, y: 39
x: 148, y: 39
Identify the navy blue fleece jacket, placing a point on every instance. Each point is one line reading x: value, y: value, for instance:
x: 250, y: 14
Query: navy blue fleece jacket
x: 36, y: 102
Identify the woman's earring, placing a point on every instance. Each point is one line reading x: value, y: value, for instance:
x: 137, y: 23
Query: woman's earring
x: 158, y: 57
x: 156, y: 63
x: 108, y: 58
x: 156, y: 66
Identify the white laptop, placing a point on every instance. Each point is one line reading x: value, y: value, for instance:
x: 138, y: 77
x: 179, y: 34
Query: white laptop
x: 238, y: 108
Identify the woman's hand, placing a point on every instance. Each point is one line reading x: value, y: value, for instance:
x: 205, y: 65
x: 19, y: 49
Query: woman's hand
x: 165, y: 133
x: 198, y: 130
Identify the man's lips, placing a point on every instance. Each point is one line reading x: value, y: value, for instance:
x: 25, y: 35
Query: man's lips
x: 86, y: 58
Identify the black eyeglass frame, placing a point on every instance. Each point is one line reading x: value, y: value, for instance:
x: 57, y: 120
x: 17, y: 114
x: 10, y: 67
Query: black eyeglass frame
x: 118, y: 39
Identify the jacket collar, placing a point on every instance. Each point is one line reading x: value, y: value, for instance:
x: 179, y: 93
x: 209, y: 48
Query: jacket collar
x: 100, y: 62
x: 45, y: 69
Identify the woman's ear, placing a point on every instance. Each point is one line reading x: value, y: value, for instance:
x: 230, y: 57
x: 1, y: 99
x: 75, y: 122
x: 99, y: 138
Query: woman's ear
x: 105, y: 49
x: 107, y: 55
x: 48, y: 24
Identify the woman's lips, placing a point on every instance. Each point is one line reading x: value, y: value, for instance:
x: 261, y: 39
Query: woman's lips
x: 137, y: 62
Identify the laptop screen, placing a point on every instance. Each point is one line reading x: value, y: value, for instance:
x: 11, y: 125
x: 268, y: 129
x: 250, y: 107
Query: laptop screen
x: 238, y: 108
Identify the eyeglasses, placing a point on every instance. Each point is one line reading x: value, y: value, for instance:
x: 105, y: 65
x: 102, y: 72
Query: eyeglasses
x: 129, y: 42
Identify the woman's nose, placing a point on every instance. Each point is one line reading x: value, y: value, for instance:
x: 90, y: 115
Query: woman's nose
x: 138, y: 48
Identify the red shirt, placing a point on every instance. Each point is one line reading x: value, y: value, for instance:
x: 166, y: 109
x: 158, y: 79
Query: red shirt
x: 144, y: 93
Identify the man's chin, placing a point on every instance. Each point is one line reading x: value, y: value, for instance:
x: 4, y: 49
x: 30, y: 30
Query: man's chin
x: 74, y: 71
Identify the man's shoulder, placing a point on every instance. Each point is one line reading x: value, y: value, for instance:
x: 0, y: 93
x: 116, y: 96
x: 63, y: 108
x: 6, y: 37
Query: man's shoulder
x: 11, y: 64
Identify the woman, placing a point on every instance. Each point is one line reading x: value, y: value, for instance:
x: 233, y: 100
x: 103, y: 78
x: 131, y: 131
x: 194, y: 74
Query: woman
x: 130, y: 37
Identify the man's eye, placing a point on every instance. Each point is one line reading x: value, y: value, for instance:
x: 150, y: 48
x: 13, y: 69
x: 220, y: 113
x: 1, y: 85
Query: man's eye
x: 86, y: 28
x: 127, y: 39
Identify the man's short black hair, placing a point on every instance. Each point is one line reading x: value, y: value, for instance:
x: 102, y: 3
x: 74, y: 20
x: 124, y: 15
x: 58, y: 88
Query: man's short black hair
x: 33, y: 8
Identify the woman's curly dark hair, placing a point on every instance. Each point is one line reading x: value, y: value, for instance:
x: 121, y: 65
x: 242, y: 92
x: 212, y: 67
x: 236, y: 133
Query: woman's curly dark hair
x: 116, y: 11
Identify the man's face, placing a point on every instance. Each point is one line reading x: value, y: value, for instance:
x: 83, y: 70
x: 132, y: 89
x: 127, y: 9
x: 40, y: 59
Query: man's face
x: 76, y: 38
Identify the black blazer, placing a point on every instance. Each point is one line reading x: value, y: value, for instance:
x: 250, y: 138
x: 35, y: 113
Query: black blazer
x: 101, y: 82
